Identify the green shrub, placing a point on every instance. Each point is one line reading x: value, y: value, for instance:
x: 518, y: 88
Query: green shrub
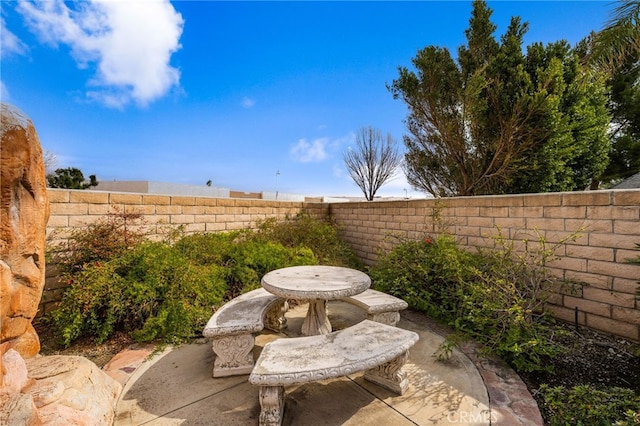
x: 250, y: 260
x: 502, y: 305
x: 245, y: 259
x: 427, y: 274
x: 99, y: 241
x: 587, y: 406
x: 492, y: 296
x: 151, y: 291
x: 208, y: 248
x: 165, y: 290
x: 321, y: 236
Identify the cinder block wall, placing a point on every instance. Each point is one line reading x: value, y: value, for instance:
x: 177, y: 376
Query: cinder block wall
x: 608, y: 223
x: 74, y: 209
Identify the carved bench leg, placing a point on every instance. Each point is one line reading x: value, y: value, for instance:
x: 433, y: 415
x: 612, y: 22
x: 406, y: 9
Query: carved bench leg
x: 233, y: 355
x: 272, y: 405
x: 274, y: 318
x: 390, y: 375
x: 388, y: 318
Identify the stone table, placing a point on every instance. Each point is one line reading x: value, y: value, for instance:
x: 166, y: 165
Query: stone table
x: 317, y: 284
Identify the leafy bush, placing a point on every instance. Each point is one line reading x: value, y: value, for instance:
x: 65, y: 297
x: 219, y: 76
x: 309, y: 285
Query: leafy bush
x: 99, y: 241
x: 585, y: 405
x: 492, y: 296
x: 427, y: 274
x: 165, y: 290
x: 152, y: 291
x: 321, y: 236
x: 245, y: 260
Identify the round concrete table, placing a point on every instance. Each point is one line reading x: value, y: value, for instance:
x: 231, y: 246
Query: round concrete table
x: 317, y: 284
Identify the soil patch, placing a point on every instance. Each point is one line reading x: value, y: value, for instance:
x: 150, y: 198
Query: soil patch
x: 589, y: 358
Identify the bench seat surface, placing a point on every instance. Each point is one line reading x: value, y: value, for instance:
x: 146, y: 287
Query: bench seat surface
x: 340, y: 353
x: 244, y: 314
x: 374, y: 302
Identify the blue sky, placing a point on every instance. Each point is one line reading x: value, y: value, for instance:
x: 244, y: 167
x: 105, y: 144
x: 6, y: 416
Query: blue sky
x: 234, y: 92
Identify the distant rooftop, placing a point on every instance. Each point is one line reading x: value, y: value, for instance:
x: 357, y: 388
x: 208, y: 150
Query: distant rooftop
x: 165, y: 188
x: 629, y: 183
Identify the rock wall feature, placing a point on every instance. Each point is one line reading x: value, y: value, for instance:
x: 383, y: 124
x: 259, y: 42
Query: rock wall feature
x: 71, y: 390
x: 24, y: 212
x: 56, y: 391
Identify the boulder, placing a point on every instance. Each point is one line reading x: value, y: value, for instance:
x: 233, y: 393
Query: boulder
x: 71, y: 390
x: 35, y: 390
x: 57, y: 390
x: 24, y: 211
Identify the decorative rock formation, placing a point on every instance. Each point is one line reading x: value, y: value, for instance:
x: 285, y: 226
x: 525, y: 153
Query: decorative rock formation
x: 24, y: 211
x: 52, y: 390
x: 58, y: 390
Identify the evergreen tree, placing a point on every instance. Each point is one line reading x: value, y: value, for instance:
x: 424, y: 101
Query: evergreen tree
x: 70, y: 178
x: 616, y: 50
x: 498, y: 121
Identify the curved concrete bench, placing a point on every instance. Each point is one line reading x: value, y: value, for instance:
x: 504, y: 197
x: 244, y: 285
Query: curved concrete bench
x: 379, y: 306
x: 378, y: 349
x: 233, y: 325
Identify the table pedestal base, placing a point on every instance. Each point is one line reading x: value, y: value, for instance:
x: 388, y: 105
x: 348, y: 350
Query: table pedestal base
x: 316, y: 322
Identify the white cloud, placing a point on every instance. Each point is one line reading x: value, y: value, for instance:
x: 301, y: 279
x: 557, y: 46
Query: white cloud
x: 4, y: 92
x: 340, y: 172
x: 9, y: 42
x: 130, y: 43
x: 319, y: 149
x: 310, y: 152
x: 248, y: 102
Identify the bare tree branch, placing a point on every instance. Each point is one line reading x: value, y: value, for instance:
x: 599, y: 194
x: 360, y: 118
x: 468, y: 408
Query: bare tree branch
x: 373, y: 162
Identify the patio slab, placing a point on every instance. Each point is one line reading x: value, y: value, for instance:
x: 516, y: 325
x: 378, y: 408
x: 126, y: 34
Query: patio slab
x: 176, y: 387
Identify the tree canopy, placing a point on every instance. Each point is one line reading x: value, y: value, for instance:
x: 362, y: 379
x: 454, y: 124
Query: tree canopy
x: 616, y: 51
x: 498, y: 120
x: 70, y: 178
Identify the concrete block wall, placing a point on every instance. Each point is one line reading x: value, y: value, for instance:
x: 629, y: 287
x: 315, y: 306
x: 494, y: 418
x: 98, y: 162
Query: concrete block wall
x: 607, y: 224
x: 75, y: 209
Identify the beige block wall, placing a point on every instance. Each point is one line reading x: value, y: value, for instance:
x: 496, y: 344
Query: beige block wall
x: 75, y: 209
x: 609, y: 224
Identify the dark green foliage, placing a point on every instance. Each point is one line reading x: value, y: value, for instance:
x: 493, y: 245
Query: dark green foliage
x: 625, y: 107
x: 427, y: 274
x: 490, y: 296
x: 70, y: 178
x: 245, y: 259
x: 497, y: 121
x: 587, y: 406
x: 150, y: 290
x: 321, y: 236
x: 162, y: 291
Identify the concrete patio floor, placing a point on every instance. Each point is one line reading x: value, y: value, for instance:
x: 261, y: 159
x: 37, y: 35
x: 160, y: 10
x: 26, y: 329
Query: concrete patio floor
x: 176, y: 387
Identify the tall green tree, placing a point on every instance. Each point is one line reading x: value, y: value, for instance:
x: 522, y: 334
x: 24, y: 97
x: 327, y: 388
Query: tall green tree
x: 500, y: 121
x: 616, y: 51
x: 70, y: 178
x: 624, y: 105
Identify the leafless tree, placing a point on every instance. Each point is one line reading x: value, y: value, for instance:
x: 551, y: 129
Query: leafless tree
x: 374, y: 160
x: 50, y: 161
